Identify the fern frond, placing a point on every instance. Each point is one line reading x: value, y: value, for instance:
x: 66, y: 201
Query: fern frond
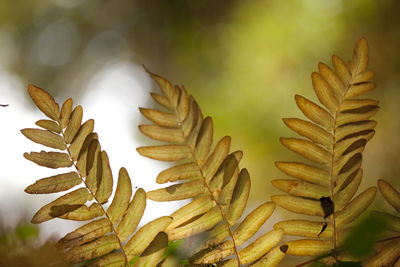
x: 219, y: 189
x: 104, y: 239
x: 334, y: 140
x: 388, y: 250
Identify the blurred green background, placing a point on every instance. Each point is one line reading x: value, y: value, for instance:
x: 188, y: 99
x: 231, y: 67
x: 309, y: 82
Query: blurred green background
x: 242, y: 60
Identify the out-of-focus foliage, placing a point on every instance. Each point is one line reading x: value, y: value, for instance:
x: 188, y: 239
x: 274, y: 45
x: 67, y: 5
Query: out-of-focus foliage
x: 20, y: 247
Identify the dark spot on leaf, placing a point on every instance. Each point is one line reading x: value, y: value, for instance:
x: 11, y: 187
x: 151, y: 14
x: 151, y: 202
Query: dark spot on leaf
x: 323, y: 228
x: 56, y: 211
x: 355, y: 145
x: 327, y: 205
x: 350, y: 163
x: 171, y: 189
x: 364, y: 109
x: 365, y: 132
x: 348, y: 180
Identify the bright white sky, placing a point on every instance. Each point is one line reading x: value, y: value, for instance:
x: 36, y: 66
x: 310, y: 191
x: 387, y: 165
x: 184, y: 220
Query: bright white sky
x: 114, y: 95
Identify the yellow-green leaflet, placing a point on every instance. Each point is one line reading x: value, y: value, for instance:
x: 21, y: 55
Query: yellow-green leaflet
x: 179, y: 172
x: 166, y: 152
x: 104, y: 190
x: 253, y: 222
x: 271, y: 259
x: 197, y: 207
x: 84, y: 213
x: 205, y: 222
x: 80, y: 137
x: 45, y: 102
x: 85, y: 233
x: 45, y: 138
x: 74, y: 123
x: 177, y: 191
x: 66, y: 111
x: 159, y: 117
x: 133, y: 215
x: 82, y: 158
x: 304, y: 228
x: 96, y: 248
x: 258, y: 248
x: 49, y: 125
x: 239, y: 197
x: 391, y: 195
x: 142, y: 238
x: 53, y: 184
x: 64, y: 204
x: 52, y: 160
x: 122, y: 197
x: 153, y: 253
x: 94, y: 166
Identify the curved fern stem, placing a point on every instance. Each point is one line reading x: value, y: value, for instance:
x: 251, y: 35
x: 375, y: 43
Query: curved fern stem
x: 193, y: 154
x: 94, y: 197
x: 332, y: 179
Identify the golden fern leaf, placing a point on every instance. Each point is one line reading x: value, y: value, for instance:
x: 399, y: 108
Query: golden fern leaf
x: 388, y: 250
x: 105, y: 238
x: 219, y: 189
x: 335, y: 138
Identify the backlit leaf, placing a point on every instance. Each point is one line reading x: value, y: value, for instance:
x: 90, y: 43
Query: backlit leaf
x: 84, y: 213
x: 159, y: 117
x: 53, y: 184
x: 45, y: 138
x: 52, y: 160
x: 133, y: 215
x: 153, y: 253
x: 250, y: 225
x: 85, y: 233
x: 177, y: 191
x: 304, y: 228
x: 66, y: 111
x: 96, y: 248
x: 62, y: 205
x: 299, y: 205
x: 357, y: 206
x: 49, y: 125
x: 308, y: 247
x: 391, y: 195
x: 314, y: 112
x: 205, y: 222
x: 160, y: 133
x: 80, y: 137
x: 104, y: 190
x: 122, y: 197
x: 166, y: 152
x: 45, y: 102
x: 94, y: 166
x: 179, y: 172
x: 74, y: 123
x: 142, y: 238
